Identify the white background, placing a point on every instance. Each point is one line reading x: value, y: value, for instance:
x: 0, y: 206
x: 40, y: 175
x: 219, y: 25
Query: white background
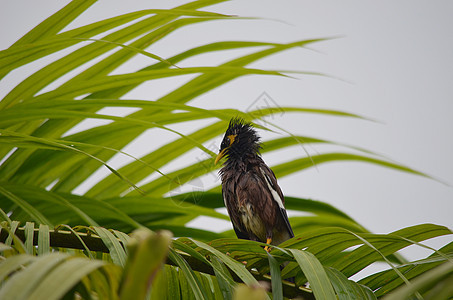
x: 390, y: 61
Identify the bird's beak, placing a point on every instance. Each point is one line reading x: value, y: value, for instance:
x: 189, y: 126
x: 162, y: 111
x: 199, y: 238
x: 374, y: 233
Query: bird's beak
x: 219, y: 156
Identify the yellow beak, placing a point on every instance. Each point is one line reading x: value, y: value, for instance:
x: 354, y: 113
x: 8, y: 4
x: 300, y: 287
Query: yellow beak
x: 219, y: 156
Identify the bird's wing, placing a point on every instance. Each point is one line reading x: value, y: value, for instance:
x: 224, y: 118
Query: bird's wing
x: 277, y: 195
x: 240, y: 234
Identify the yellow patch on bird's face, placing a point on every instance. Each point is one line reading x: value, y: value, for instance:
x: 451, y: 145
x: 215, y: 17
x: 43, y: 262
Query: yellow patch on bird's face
x: 232, y: 138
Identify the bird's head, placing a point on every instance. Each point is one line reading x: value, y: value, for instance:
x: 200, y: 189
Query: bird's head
x: 240, y: 139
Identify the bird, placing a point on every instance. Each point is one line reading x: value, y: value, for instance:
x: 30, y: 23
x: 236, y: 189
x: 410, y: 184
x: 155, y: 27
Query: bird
x: 252, y: 196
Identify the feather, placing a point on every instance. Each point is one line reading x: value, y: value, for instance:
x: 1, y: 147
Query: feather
x: 277, y: 194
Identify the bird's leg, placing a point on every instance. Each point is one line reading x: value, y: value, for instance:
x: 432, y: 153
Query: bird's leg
x: 268, y: 241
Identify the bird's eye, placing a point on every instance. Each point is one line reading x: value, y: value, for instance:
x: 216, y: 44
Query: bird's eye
x: 231, y: 138
x: 227, y: 141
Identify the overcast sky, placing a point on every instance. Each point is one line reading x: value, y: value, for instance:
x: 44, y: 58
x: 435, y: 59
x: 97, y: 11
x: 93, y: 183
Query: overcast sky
x: 390, y: 61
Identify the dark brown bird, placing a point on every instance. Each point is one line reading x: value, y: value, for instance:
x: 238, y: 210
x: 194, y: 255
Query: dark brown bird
x: 250, y: 191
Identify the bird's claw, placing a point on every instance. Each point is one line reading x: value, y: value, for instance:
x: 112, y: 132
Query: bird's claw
x: 267, y: 248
